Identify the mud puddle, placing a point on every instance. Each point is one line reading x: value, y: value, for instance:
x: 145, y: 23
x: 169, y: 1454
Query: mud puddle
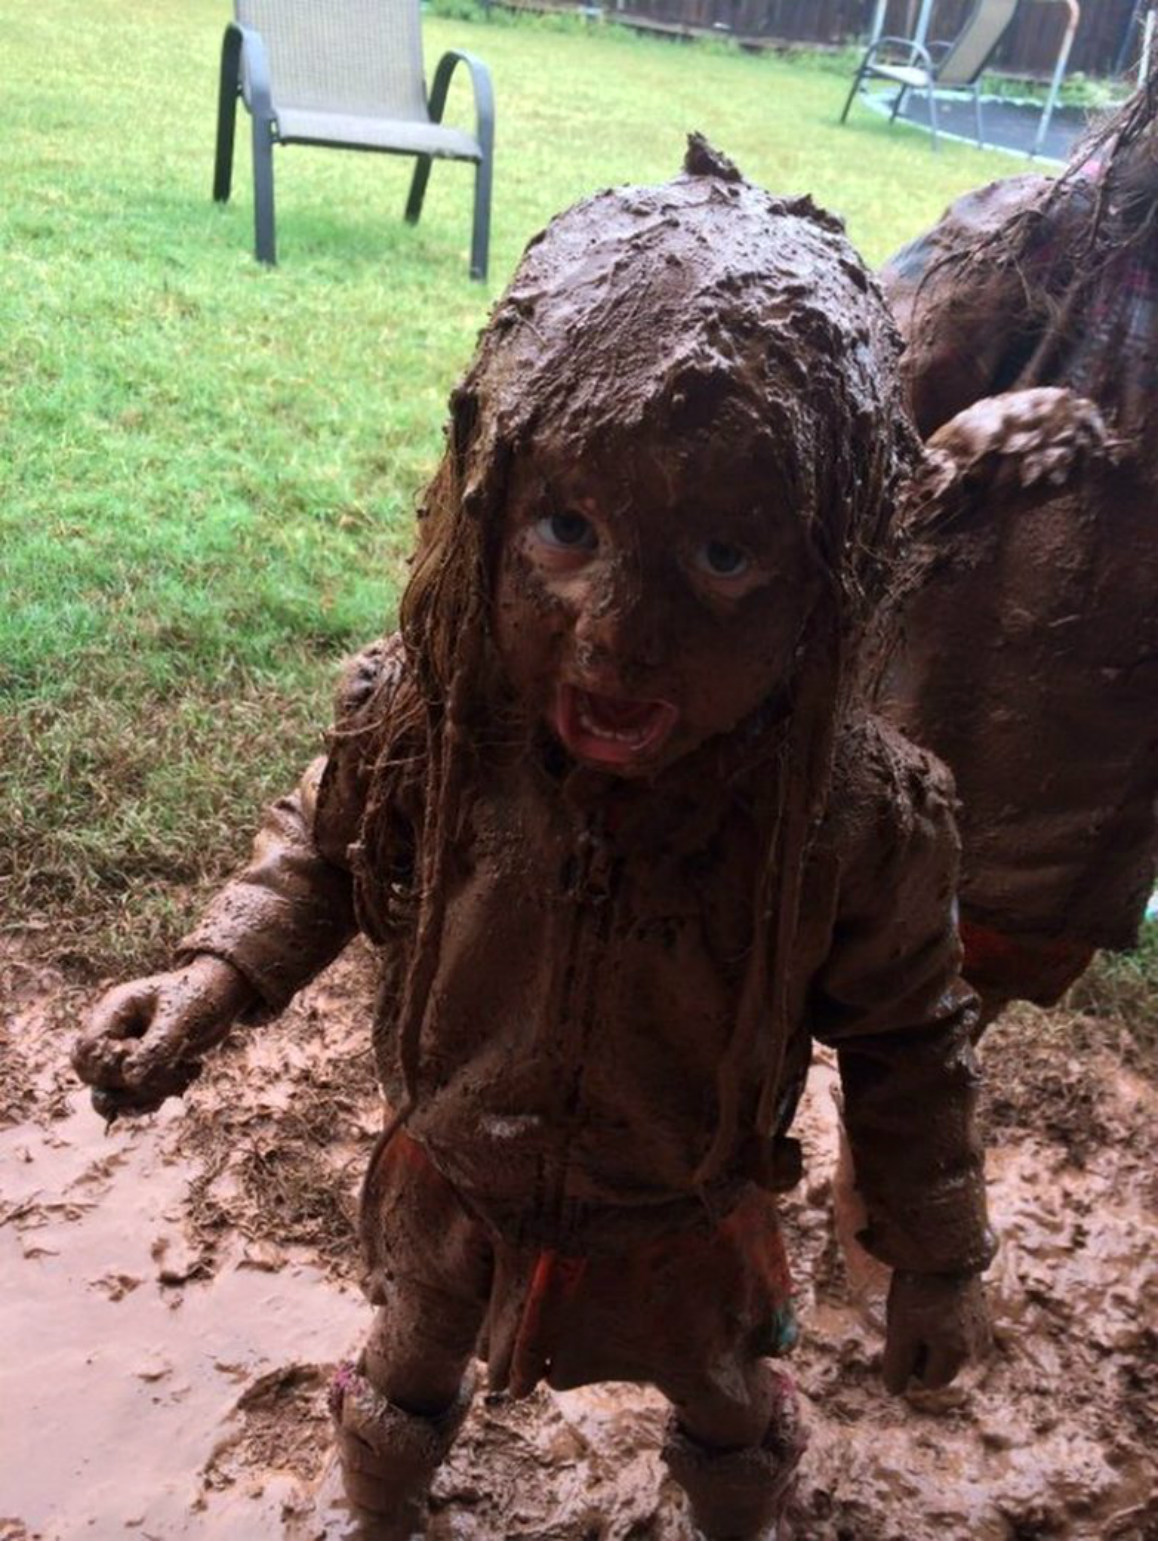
x: 178, y: 1290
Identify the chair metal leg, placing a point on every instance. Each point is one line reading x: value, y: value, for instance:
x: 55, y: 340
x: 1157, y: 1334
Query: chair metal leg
x: 933, y: 117
x: 484, y: 101
x: 977, y: 115
x: 264, y: 243
x: 418, y: 188
x: 898, y: 103
x: 227, y: 93
x: 856, y: 83
x: 481, y: 233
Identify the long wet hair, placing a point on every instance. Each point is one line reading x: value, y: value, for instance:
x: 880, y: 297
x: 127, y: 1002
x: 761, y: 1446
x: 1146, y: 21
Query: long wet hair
x: 699, y: 307
x: 1071, y: 247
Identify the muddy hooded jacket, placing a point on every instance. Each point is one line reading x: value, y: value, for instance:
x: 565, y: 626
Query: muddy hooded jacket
x: 1031, y: 661
x: 571, y: 1103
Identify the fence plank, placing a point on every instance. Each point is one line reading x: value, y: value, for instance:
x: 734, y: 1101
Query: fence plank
x: 1030, y: 47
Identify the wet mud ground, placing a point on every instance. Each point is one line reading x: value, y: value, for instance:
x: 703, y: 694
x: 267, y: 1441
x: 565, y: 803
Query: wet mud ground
x: 177, y: 1291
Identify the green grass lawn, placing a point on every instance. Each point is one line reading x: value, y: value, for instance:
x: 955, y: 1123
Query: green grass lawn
x: 208, y: 470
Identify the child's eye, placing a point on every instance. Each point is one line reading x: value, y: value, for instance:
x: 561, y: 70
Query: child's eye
x: 720, y: 559
x: 567, y: 532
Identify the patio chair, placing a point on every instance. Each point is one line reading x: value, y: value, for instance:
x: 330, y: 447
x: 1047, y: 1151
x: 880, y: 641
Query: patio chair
x: 346, y: 73
x: 952, y: 66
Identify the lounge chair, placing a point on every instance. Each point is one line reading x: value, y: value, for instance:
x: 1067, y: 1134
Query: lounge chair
x: 954, y: 66
x: 346, y: 73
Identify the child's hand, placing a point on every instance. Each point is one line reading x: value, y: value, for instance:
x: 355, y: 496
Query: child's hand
x: 145, y: 1039
x: 936, y: 1323
x: 1023, y: 438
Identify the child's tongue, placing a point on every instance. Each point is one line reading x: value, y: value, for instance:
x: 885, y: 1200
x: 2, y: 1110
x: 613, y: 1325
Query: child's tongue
x: 611, y: 730
x: 616, y: 715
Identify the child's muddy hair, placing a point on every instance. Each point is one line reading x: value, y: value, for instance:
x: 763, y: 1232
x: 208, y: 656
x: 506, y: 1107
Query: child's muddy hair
x: 1069, y: 247
x: 703, y: 309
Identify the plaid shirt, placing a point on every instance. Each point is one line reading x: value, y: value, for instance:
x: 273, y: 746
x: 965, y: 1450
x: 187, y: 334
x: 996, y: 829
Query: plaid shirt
x: 1112, y: 352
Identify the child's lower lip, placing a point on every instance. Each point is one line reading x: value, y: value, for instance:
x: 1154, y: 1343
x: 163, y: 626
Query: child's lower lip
x: 610, y: 730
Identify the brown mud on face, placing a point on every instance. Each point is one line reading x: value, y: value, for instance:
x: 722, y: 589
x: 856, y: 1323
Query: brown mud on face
x: 178, y: 1291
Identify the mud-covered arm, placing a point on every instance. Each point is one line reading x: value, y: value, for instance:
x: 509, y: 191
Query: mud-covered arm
x: 1007, y: 452
x: 890, y: 1000
x: 966, y: 315
x: 290, y: 910
x: 287, y: 913
x: 993, y: 461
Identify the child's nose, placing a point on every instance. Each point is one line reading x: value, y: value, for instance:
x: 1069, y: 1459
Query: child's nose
x: 618, y: 631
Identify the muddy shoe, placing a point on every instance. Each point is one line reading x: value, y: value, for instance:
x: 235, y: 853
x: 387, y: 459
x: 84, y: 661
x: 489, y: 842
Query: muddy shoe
x: 329, y: 1515
x: 387, y: 1457
x: 740, y: 1495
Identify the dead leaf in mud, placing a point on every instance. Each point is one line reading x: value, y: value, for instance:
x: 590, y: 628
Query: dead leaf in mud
x: 178, y: 1262
x: 12, y: 1214
x: 153, y: 1369
x: 31, y: 1250
x: 279, y: 1423
x: 263, y: 1256
x: 98, y: 1174
x: 116, y: 1285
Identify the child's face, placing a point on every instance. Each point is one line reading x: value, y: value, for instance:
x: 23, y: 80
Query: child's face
x: 644, y: 605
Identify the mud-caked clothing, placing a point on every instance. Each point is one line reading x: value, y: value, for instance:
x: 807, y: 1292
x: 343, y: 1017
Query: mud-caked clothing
x: 1030, y: 658
x: 650, y: 1311
x: 595, y: 938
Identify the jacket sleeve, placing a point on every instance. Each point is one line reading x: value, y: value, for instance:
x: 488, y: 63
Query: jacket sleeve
x: 891, y: 1002
x: 290, y: 910
x: 964, y: 316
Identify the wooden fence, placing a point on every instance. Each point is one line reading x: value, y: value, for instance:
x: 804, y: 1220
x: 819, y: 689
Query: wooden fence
x: 1029, y: 48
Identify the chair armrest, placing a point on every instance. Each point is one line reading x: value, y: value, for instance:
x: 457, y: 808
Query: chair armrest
x: 916, y: 51
x: 939, y: 49
x: 484, y: 95
x: 253, y: 76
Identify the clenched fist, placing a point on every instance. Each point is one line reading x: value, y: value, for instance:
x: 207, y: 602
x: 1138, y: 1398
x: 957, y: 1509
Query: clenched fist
x: 145, y: 1039
x: 936, y: 1323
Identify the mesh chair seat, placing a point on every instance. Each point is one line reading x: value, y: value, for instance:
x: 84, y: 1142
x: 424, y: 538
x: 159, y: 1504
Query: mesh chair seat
x: 364, y: 133
x: 910, y: 75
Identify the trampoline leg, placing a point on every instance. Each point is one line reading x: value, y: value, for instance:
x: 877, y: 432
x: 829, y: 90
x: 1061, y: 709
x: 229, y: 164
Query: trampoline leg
x: 933, y: 117
x: 977, y: 115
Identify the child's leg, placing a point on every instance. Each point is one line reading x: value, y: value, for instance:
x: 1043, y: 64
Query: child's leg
x: 420, y: 1346
x: 398, y: 1410
x: 733, y: 1445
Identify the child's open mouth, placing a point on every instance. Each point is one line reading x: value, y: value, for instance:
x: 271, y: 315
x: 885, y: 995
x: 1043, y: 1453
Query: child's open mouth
x: 610, y: 730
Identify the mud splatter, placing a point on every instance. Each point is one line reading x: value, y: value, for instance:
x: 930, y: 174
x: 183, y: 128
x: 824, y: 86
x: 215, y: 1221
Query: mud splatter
x: 164, y: 1376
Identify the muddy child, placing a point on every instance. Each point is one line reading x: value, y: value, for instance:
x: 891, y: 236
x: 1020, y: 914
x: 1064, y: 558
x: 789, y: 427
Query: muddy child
x: 1031, y: 659
x: 613, y: 813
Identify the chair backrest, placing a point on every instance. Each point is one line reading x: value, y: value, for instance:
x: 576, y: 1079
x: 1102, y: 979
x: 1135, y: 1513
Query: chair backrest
x: 973, y: 47
x: 347, y: 56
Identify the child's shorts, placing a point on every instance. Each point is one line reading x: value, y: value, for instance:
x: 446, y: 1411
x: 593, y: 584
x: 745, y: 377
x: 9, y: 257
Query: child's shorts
x: 674, y: 1311
x: 1004, y: 968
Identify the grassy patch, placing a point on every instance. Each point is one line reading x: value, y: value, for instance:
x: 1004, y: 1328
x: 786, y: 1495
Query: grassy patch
x: 208, y: 470
x: 1095, y: 93
x: 1121, y: 991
